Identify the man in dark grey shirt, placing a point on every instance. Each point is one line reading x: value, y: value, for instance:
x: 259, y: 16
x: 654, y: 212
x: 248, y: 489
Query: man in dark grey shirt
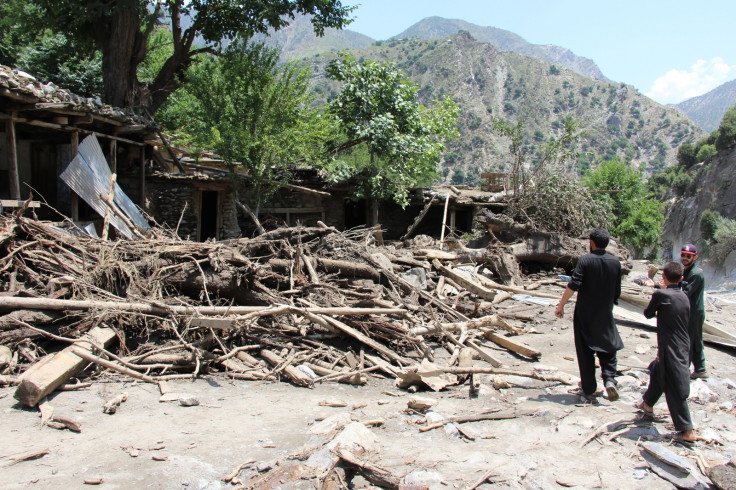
x: 597, y: 280
x: 670, y: 371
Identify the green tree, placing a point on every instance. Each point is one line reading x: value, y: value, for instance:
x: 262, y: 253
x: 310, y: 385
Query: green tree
x: 637, y: 220
x: 378, y: 107
x: 618, y: 184
x: 709, y: 221
x: 254, y: 113
x: 120, y: 30
x: 642, y: 228
x: 50, y: 56
x: 686, y: 155
x: 705, y: 153
x: 727, y: 130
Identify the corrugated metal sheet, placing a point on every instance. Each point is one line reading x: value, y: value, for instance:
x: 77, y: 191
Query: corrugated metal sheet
x: 89, y: 175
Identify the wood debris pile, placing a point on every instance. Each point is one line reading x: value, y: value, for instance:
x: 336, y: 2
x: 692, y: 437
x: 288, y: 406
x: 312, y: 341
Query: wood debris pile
x: 305, y: 304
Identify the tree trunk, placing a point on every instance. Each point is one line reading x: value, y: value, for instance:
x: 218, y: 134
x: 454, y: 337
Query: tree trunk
x: 120, y: 37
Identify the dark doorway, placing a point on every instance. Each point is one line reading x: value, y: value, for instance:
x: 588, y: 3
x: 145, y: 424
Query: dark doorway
x: 208, y: 216
x: 43, y: 178
x: 355, y: 214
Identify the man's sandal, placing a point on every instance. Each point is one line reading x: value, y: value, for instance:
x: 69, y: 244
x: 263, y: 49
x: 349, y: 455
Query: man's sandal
x: 678, y: 439
x: 645, y: 414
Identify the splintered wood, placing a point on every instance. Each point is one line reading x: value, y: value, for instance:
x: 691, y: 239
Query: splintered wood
x: 305, y: 305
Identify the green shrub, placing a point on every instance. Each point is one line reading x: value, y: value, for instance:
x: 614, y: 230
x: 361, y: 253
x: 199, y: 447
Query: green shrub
x: 709, y: 221
x: 727, y: 130
x: 724, y: 240
x: 705, y: 153
x: 686, y: 156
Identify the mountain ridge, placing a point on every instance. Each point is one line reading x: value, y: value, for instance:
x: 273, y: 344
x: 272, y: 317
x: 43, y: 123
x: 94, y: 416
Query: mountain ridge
x: 488, y: 84
x: 431, y: 28
x: 708, y: 109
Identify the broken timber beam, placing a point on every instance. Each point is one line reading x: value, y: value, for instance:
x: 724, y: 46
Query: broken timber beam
x: 512, y: 345
x: 472, y: 286
x: 44, y: 377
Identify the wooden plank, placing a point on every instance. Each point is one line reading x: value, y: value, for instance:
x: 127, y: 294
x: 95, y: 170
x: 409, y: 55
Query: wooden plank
x: 512, y: 345
x: 472, y: 286
x: 12, y: 203
x: 377, y: 346
x: 44, y: 377
x: 486, y: 356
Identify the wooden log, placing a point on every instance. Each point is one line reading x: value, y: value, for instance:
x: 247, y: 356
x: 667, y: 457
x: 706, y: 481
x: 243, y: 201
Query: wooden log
x: 486, y: 356
x: 418, y: 219
x: 86, y: 355
x: 475, y: 323
x: 17, y: 302
x: 111, y: 405
x: 513, y: 289
x: 560, y: 378
x: 11, y: 332
x: 378, y: 476
x: 377, y: 346
x: 475, y: 288
x: 54, y: 370
x: 471, y: 418
x: 298, y: 377
x: 512, y: 345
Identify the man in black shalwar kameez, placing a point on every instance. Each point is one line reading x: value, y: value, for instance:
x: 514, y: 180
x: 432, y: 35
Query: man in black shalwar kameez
x: 670, y: 371
x: 597, y: 280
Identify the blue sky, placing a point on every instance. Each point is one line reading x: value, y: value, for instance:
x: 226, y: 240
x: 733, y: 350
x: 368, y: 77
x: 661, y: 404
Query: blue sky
x: 669, y: 50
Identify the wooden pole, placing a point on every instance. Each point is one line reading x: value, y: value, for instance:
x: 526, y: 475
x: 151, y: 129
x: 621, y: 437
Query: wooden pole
x: 142, y: 200
x: 113, y: 156
x: 444, y: 222
x: 13, y: 180
x: 108, y: 211
x: 73, y: 150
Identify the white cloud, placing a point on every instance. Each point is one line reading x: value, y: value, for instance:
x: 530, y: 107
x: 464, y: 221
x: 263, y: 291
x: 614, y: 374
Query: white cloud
x: 702, y: 77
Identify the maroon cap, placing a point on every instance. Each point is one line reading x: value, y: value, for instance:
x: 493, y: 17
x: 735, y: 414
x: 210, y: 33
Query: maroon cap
x: 689, y: 249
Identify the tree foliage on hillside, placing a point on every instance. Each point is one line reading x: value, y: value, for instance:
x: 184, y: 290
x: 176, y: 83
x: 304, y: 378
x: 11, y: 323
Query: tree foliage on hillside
x: 719, y: 236
x: 120, y: 29
x: 378, y: 107
x: 727, y: 130
x: 636, y: 218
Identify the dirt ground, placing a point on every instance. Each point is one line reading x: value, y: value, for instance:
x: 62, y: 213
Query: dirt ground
x: 164, y: 445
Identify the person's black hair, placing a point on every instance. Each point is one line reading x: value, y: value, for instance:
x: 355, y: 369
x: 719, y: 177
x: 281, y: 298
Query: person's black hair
x: 600, y: 237
x: 673, y: 272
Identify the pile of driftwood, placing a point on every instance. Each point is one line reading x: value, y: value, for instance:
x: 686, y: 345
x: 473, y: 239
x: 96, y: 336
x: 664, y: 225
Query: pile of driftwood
x: 305, y: 304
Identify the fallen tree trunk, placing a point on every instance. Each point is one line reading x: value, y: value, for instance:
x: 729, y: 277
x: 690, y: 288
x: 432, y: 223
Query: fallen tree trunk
x: 9, y: 303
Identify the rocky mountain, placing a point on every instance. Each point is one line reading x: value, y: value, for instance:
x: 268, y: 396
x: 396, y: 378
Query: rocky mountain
x: 714, y: 189
x: 298, y: 40
x: 438, y: 28
x: 617, y: 120
x: 707, y: 110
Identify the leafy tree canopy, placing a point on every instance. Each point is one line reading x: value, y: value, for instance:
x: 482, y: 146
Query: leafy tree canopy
x: 253, y: 112
x: 637, y: 219
x: 377, y: 106
x: 120, y: 29
x: 52, y: 56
